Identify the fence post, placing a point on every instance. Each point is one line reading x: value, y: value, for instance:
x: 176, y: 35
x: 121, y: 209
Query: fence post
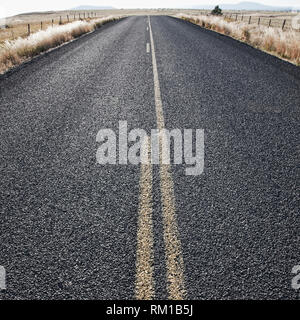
x: 60, y: 21
x: 74, y: 16
x: 236, y: 17
x: 270, y: 23
x: 41, y: 25
x: 84, y: 15
x: 52, y: 23
x: 258, y: 21
x: 242, y: 18
x: 28, y: 29
x: 283, y: 24
x: 68, y: 18
x: 249, y: 19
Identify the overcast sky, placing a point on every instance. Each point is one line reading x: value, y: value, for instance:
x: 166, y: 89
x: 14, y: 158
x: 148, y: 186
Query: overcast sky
x: 11, y: 7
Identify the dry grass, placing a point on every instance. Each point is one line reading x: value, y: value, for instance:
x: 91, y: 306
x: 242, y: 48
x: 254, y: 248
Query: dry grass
x: 16, y: 46
x: 285, y: 44
x: 18, y: 28
x: 17, y: 25
x: 14, y: 52
x: 261, y: 17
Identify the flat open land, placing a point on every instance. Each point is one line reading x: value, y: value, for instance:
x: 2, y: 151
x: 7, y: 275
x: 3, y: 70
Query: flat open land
x: 17, y: 26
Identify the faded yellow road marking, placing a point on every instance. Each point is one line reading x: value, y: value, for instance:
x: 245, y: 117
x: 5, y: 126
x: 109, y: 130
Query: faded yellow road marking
x: 144, y: 262
x: 174, y: 258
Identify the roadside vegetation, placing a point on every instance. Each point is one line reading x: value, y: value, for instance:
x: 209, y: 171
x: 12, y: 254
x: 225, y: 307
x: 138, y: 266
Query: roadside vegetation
x: 284, y: 44
x: 14, y: 52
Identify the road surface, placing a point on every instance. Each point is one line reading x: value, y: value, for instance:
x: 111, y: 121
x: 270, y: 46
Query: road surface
x: 71, y: 228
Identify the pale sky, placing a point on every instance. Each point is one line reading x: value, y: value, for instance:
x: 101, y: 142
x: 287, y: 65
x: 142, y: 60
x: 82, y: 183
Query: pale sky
x: 11, y: 7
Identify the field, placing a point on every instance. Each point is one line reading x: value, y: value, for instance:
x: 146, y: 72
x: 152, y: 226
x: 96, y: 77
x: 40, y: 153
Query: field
x: 17, y: 26
x: 20, y: 38
x: 274, y: 19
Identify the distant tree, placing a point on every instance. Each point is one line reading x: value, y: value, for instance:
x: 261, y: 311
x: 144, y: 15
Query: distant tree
x: 217, y: 11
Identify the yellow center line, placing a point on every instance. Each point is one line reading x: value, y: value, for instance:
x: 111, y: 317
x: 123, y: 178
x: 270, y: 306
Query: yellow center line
x: 174, y: 258
x: 144, y: 289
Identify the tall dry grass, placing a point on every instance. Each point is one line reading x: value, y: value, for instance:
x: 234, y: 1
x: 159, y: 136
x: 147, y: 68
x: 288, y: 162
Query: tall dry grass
x: 285, y: 44
x: 14, y: 52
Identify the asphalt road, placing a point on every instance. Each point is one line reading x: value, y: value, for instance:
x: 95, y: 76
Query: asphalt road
x: 70, y: 227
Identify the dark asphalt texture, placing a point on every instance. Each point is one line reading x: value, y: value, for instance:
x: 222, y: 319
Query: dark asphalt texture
x: 68, y: 225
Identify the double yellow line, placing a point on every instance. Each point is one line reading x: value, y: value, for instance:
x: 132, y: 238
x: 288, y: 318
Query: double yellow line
x: 145, y: 256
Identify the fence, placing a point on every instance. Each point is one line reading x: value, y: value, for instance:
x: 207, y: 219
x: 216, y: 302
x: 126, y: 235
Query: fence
x: 285, y: 23
x: 275, y: 22
x: 13, y: 31
x: 65, y: 19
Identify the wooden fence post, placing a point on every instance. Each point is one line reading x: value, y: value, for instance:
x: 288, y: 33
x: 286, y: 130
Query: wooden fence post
x: 52, y: 23
x: 41, y: 25
x: 28, y: 29
x: 236, y: 17
x: 258, y: 21
x: 60, y: 21
x: 249, y: 19
x: 74, y: 16
x: 283, y: 24
x: 68, y: 18
x: 242, y: 18
x: 270, y: 23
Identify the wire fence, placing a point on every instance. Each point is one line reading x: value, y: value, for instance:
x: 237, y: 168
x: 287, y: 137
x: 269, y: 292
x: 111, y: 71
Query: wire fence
x: 15, y: 30
x: 285, y: 23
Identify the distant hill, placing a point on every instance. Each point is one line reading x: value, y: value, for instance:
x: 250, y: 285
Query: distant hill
x: 34, y: 13
x: 93, y: 8
x: 250, y: 6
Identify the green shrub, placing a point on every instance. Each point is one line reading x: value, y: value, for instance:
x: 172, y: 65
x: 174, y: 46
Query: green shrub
x: 217, y: 11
